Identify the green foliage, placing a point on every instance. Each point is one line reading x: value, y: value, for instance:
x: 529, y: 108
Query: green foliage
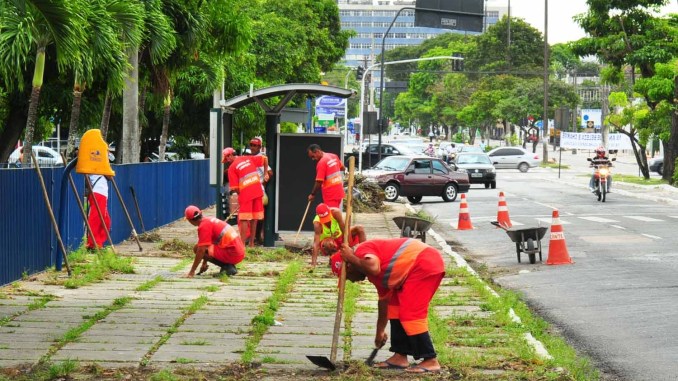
x: 62, y: 369
x: 91, y: 268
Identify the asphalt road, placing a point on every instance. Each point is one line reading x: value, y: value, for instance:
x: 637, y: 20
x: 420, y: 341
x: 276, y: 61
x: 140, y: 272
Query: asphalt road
x: 617, y: 302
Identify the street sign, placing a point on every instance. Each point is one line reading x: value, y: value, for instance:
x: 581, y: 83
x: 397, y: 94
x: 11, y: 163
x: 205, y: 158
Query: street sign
x: 466, y: 15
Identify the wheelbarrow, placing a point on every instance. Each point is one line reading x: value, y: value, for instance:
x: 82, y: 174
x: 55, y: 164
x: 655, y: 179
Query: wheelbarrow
x: 413, y: 227
x: 527, y: 240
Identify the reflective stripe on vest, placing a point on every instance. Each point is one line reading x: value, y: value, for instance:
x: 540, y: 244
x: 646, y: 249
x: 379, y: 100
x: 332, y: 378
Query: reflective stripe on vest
x: 402, y: 261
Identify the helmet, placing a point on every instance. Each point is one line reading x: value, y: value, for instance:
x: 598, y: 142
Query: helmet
x: 600, y: 150
x: 226, y: 152
x: 192, y: 212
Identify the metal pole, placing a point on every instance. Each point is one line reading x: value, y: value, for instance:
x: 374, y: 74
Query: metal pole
x: 51, y: 212
x: 346, y: 108
x: 545, y: 118
x: 124, y: 208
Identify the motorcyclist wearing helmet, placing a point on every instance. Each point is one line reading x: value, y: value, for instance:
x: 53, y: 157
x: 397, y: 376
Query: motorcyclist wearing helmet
x: 600, y: 159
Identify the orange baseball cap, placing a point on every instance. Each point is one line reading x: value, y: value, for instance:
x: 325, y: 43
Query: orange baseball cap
x: 226, y: 152
x: 323, y: 211
x: 255, y: 141
x: 192, y: 212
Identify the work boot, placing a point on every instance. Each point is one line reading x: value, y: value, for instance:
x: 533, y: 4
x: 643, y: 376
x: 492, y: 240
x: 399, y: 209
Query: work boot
x: 228, y: 269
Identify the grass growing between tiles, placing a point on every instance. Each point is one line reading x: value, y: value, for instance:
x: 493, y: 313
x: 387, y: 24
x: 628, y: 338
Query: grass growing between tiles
x: 266, y: 316
x: 88, y: 268
x: 485, y: 344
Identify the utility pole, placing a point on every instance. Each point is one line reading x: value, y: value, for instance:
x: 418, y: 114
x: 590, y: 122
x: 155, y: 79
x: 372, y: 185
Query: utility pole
x: 545, y: 117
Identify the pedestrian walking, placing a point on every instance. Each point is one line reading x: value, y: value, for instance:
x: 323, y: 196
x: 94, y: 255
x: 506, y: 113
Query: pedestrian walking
x: 406, y: 273
x: 218, y: 243
x: 431, y: 135
x: 328, y: 176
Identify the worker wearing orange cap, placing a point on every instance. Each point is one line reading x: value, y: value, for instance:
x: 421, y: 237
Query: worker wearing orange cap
x: 328, y: 176
x: 218, y: 243
x: 244, y: 181
x: 329, y: 223
x: 406, y: 273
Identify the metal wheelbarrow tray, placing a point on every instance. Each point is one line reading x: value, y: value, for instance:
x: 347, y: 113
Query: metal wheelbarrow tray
x: 527, y: 239
x: 413, y: 227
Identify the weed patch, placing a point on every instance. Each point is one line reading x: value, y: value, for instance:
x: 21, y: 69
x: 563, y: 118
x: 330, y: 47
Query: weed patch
x: 178, y: 246
x: 92, y: 268
x: 149, y: 284
x: 258, y: 254
x: 265, y: 318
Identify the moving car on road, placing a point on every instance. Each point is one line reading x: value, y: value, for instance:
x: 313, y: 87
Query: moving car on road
x: 371, y: 154
x: 513, y: 157
x: 417, y: 176
x: 479, y: 167
x: 657, y: 165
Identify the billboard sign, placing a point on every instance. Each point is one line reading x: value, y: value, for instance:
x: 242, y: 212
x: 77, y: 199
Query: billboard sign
x: 328, y: 104
x: 591, y: 118
x: 465, y: 15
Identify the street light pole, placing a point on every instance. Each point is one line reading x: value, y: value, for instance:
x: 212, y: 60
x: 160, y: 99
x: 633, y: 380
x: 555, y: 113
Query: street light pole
x: 545, y: 118
x: 346, y: 108
x: 362, y: 95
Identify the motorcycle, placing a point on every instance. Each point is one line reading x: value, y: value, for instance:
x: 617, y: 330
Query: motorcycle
x: 601, y: 175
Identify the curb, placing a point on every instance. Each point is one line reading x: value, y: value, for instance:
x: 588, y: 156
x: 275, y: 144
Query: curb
x: 537, y: 345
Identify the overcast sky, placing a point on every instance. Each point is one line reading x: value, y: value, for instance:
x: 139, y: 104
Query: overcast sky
x: 561, y: 26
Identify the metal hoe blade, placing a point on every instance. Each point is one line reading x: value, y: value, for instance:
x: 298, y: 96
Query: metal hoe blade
x: 322, y: 362
x: 370, y: 360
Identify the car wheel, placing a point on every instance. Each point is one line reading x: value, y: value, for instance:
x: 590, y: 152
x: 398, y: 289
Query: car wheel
x: 392, y: 192
x: 487, y: 185
x: 450, y: 192
x: 414, y: 199
x: 523, y: 167
x: 493, y: 185
x: 660, y: 169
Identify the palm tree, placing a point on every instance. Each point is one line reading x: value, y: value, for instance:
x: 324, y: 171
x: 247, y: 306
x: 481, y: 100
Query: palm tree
x: 27, y: 28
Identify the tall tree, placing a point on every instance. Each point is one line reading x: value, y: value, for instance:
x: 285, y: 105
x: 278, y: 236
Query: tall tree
x: 27, y: 29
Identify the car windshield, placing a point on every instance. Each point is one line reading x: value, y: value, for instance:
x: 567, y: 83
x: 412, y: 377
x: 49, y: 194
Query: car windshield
x: 473, y: 159
x: 393, y: 163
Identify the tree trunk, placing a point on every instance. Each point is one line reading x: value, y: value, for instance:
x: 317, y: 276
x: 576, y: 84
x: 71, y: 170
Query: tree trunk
x: 671, y: 149
x: 106, y: 116
x: 165, y: 125
x: 33, y: 105
x: 75, y: 117
x: 130, y: 110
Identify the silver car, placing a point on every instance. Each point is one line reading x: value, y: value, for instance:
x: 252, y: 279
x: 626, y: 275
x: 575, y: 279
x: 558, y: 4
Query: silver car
x: 514, y: 157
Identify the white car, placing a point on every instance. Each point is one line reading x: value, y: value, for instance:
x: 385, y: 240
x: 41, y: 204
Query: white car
x: 46, y: 156
x: 514, y: 158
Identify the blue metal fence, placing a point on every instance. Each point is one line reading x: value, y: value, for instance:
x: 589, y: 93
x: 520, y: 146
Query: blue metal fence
x: 27, y: 241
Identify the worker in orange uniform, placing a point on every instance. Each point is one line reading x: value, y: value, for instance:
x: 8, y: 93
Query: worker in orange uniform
x: 244, y: 181
x: 329, y: 176
x: 218, y: 243
x: 406, y: 273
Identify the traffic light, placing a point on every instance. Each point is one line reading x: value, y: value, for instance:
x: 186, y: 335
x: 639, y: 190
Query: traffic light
x: 359, y: 71
x: 458, y: 65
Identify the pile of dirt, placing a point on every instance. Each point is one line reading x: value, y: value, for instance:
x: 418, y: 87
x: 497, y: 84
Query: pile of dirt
x: 371, y: 197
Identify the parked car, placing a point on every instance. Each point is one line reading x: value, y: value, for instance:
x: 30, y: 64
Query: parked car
x: 514, y: 157
x: 371, y: 154
x: 657, y: 165
x: 479, y: 167
x: 46, y: 156
x: 417, y: 176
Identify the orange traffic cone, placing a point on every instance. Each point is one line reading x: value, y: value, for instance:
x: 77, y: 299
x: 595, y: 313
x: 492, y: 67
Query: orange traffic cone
x: 557, y: 249
x: 502, y: 212
x: 464, y: 222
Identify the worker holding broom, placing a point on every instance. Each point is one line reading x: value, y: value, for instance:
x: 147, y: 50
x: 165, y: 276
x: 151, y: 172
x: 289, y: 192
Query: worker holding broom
x: 329, y: 223
x: 406, y: 273
x: 218, y: 243
x: 329, y: 176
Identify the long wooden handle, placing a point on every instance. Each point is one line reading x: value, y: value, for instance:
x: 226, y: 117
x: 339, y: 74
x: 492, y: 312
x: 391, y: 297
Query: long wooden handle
x: 51, y: 213
x: 342, y: 275
x: 124, y: 208
x: 302, y: 220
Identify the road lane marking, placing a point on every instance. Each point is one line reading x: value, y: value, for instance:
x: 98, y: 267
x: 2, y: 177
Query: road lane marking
x: 651, y: 236
x: 618, y: 227
x: 548, y: 221
x: 597, y: 219
x: 644, y: 219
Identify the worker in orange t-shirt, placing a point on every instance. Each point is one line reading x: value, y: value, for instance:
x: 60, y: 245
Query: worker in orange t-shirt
x: 329, y: 176
x: 406, y: 273
x: 218, y: 243
x: 243, y: 179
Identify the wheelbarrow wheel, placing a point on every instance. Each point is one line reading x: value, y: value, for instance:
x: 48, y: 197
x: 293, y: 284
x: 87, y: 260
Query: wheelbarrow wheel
x: 531, y: 252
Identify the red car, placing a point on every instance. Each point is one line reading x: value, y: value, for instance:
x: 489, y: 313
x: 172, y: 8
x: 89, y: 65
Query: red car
x: 417, y: 176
